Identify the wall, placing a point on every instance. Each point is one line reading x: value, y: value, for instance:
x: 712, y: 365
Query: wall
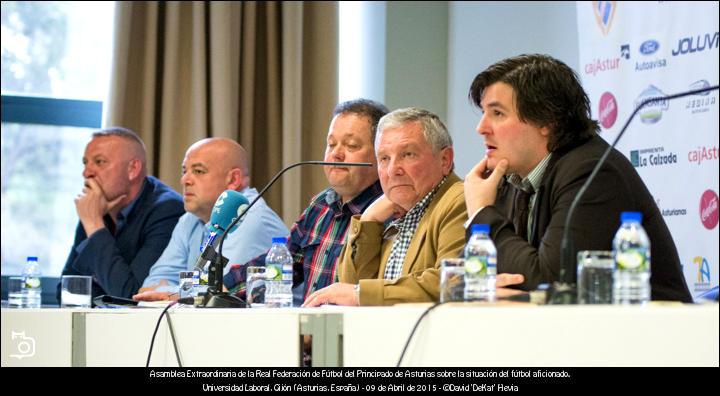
x: 480, y: 34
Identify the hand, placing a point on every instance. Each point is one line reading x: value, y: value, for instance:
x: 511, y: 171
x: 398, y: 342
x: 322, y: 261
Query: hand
x: 162, y: 282
x: 337, y: 293
x: 91, y: 206
x: 155, y: 296
x: 502, y: 280
x: 481, y: 192
x: 381, y: 210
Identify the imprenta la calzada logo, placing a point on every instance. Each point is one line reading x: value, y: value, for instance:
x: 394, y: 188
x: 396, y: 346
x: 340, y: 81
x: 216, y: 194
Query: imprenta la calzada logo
x: 652, y: 111
x: 25, y: 345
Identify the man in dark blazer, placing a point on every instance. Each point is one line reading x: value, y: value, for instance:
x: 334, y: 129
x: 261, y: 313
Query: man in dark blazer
x: 541, y: 146
x: 126, y: 217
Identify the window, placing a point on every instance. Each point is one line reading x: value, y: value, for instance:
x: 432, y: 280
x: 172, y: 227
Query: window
x: 56, y: 60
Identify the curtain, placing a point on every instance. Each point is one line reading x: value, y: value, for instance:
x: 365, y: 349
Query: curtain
x: 262, y: 73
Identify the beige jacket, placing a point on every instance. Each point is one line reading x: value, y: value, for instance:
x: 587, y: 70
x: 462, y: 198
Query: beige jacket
x: 440, y: 234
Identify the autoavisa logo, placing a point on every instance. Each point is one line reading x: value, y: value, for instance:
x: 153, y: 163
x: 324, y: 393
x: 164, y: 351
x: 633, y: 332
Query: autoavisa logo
x: 608, y: 110
x: 709, y: 209
x: 604, y: 14
x: 649, y: 47
x: 652, y: 112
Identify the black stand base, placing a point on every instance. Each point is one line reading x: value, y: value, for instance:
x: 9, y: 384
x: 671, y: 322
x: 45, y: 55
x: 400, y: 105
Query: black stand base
x: 221, y: 300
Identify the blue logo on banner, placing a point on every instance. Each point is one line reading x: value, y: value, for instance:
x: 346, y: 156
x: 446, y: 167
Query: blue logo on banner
x: 649, y: 47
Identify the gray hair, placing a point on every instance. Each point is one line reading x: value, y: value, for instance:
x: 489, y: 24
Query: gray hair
x: 434, y: 130
x: 131, y: 137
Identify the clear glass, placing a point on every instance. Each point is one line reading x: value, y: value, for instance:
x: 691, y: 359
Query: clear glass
x: 255, y: 287
x: 595, y: 276
x: 76, y: 291
x: 41, y: 175
x: 16, y: 287
x: 452, y: 279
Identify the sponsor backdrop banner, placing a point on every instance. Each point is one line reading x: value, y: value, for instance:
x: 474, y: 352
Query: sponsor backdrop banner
x: 631, y: 51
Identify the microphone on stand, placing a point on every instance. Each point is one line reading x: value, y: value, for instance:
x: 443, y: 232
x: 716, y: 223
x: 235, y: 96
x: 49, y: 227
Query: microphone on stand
x: 564, y: 290
x: 228, y: 205
x: 215, y: 297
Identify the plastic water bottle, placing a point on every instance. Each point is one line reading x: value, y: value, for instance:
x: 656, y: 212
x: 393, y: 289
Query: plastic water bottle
x: 480, y: 265
x: 278, y: 275
x: 631, y: 247
x: 32, y: 292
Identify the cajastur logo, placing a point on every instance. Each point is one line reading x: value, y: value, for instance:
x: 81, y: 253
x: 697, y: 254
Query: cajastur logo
x: 601, y: 65
x: 608, y: 110
x: 709, y: 209
x: 702, y: 154
x: 604, y: 14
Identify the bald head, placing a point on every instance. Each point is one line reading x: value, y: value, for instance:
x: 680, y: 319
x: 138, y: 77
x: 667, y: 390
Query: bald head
x: 229, y: 153
x: 210, y: 167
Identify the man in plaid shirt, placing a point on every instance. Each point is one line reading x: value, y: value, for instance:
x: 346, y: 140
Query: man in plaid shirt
x: 317, y: 237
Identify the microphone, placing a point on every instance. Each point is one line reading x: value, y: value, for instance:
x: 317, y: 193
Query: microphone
x: 215, y: 297
x: 564, y: 291
x: 229, y: 205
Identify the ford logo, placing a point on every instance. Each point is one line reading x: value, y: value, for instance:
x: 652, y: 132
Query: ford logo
x: 649, y: 47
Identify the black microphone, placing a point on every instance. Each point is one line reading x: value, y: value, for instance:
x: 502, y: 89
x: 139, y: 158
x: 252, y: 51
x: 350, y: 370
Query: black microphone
x: 564, y: 291
x: 215, y: 297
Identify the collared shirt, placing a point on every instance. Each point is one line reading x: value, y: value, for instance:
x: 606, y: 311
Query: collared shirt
x: 530, y: 183
x: 252, y: 237
x: 316, y: 240
x: 406, y: 227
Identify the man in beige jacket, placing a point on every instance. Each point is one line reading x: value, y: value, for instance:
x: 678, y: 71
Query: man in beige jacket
x: 384, y: 262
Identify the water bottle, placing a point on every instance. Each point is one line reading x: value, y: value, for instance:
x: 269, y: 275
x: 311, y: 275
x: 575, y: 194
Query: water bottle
x: 631, y: 248
x: 32, y: 291
x: 480, y: 265
x: 278, y: 275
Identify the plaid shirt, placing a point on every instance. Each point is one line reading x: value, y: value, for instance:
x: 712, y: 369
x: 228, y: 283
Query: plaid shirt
x: 406, y: 227
x: 316, y: 240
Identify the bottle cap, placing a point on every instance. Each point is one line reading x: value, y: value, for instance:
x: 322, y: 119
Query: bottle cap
x: 480, y: 228
x: 282, y: 240
x: 32, y: 258
x: 631, y: 216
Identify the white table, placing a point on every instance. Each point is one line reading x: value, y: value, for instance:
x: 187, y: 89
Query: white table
x: 534, y: 336
x: 37, y: 337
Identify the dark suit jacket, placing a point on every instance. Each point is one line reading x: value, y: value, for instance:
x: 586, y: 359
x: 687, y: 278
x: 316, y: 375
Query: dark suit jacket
x: 119, y: 263
x: 616, y: 188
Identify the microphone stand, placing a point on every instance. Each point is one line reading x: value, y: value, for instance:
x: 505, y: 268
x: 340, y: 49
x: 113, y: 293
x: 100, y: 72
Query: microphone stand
x: 215, y: 297
x: 564, y: 290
